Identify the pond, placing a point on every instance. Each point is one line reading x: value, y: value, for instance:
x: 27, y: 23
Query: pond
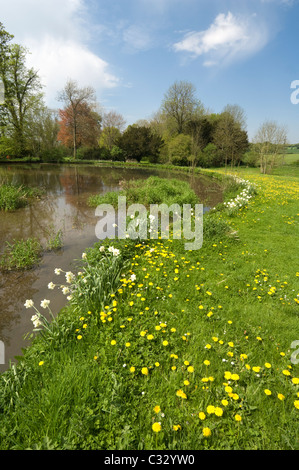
x: 63, y: 207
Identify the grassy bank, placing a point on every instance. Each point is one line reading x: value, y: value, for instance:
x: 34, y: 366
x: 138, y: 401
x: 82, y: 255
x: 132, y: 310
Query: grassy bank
x: 162, y: 348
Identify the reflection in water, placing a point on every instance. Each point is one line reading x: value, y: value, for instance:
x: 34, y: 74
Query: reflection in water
x: 64, y: 207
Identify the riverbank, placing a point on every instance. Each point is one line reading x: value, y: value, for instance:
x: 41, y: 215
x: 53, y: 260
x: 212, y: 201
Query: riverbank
x: 189, y: 350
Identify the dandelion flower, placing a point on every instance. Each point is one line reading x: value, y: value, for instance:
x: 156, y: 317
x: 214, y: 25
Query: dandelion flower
x: 41, y: 363
x: 157, y: 409
x: 113, y: 342
x: 268, y: 392
x: 165, y: 343
x: 144, y: 370
x: 206, y: 432
x: 210, y: 409
x: 156, y: 427
x: 176, y: 427
x: 181, y: 394
x: 218, y: 411
x: 296, y: 404
x: 295, y: 380
x: 202, y: 415
x: 238, y: 417
x: 132, y: 369
x: 280, y: 396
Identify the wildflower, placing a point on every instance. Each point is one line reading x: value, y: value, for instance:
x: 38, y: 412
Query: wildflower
x: 268, y: 392
x: 227, y: 375
x: 156, y: 427
x: 79, y: 337
x: 181, y: 394
x: 206, y: 432
x: 176, y: 427
x: 296, y: 404
x: 256, y: 369
x: 295, y: 380
x: 210, y: 409
x: 150, y: 337
x: 144, y: 370
x: 132, y: 369
x: 186, y: 382
x: 280, y: 396
x: 45, y: 303
x: 224, y: 402
x: 65, y: 290
x: 84, y: 255
x: 41, y: 363
x: 165, y: 343
x: 51, y: 286
x: 202, y: 415
x: 29, y: 304
x: 128, y: 345
x: 238, y: 417
x: 218, y: 411
x: 157, y: 409
x: 190, y: 369
x: 69, y: 276
x: 157, y: 364
x: 268, y: 365
x: 102, y: 249
x: 57, y: 271
x: 206, y: 363
x: 113, y: 342
x: 235, y: 377
x: 286, y: 372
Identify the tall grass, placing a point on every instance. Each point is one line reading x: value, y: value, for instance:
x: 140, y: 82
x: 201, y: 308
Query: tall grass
x: 13, y: 197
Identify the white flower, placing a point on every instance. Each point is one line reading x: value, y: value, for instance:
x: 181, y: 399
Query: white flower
x: 29, y: 304
x: 115, y: 252
x: 57, y: 271
x: 133, y: 277
x: 69, y: 276
x: 65, y: 290
x: 45, y: 303
x: 51, y: 286
x: 69, y: 297
x: 36, y: 321
x: 84, y: 255
x: 102, y: 248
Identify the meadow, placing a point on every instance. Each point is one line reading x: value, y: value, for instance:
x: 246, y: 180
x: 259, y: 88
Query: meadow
x: 163, y: 348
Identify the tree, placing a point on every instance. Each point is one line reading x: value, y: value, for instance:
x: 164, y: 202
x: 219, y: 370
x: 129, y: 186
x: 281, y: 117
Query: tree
x: 270, y: 141
x: 138, y: 142
x: 230, y: 139
x: 237, y: 113
x: 75, y: 99
x: 87, y: 126
x: 180, y: 105
x: 113, y: 124
x: 179, y: 149
x: 22, y: 95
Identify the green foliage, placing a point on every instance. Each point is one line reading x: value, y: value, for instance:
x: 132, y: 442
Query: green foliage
x: 21, y: 254
x: 153, y: 190
x: 13, y: 197
x: 179, y: 149
x: 138, y: 142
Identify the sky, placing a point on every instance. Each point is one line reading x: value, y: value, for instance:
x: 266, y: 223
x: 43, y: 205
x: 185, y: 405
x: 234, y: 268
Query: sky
x: 242, y: 52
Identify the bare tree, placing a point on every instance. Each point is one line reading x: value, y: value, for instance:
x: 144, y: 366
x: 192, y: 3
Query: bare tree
x: 73, y: 96
x: 270, y: 141
x: 237, y: 113
x: 180, y: 105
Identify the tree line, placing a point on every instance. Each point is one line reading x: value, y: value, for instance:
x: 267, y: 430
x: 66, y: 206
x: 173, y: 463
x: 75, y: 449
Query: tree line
x: 182, y: 132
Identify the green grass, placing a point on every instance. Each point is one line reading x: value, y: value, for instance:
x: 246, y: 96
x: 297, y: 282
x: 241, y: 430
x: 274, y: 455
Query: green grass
x: 21, y: 254
x: 13, y: 197
x: 158, y: 334
x: 153, y: 190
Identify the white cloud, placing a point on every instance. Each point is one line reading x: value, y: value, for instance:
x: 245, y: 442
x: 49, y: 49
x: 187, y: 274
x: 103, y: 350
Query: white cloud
x: 56, y: 34
x: 227, y: 39
x: 137, y: 38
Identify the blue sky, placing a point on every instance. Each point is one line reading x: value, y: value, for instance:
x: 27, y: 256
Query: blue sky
x: 241, y: 52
